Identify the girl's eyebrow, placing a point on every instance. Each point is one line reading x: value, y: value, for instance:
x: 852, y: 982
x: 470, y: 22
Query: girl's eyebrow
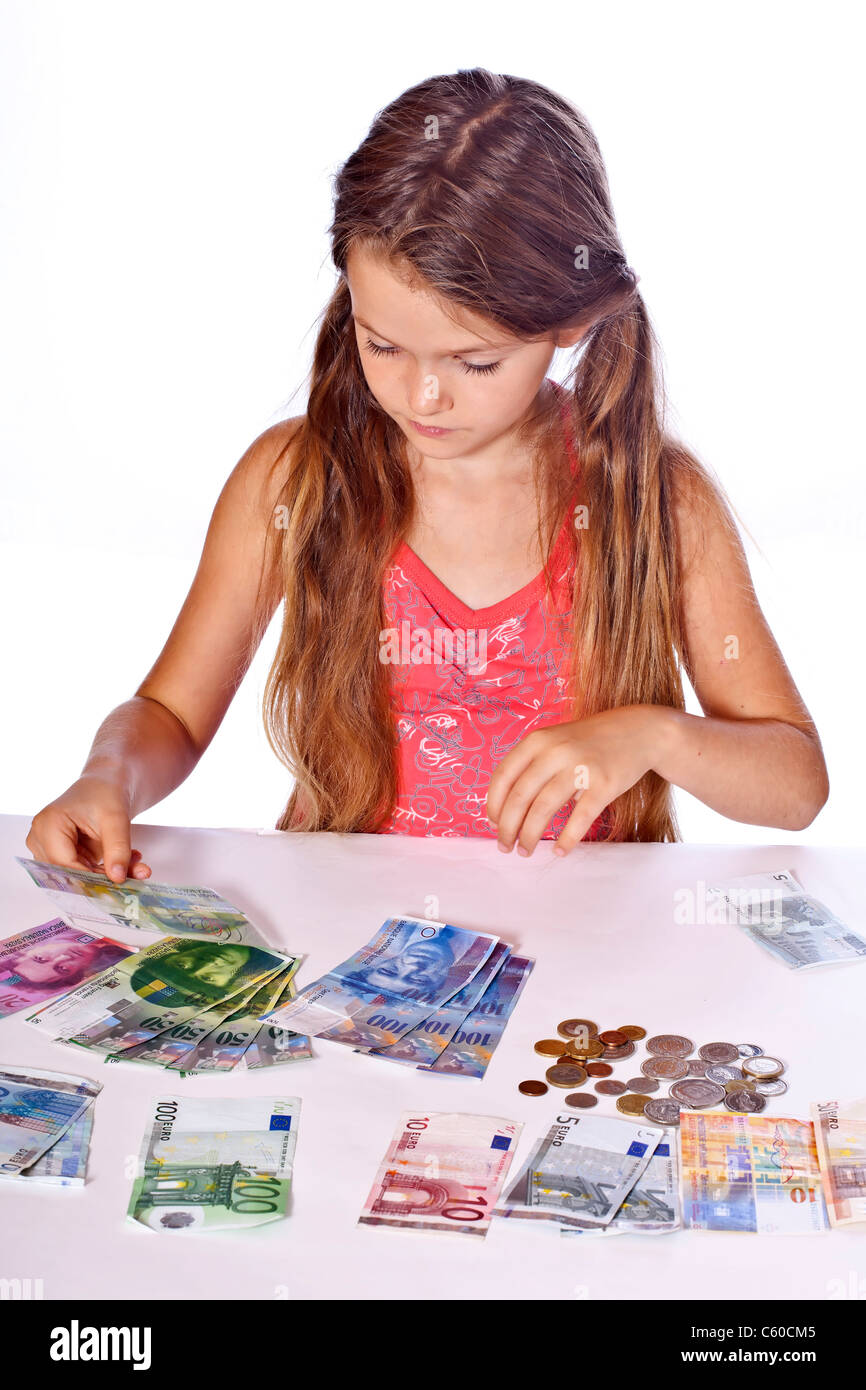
x: 485, y: 347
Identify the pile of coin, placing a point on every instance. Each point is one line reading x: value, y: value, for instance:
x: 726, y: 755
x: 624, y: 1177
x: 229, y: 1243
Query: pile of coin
x: 739, y: 1076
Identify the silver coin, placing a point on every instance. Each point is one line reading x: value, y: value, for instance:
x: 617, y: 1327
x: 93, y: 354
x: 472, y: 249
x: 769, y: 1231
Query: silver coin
x: 763, y: 1068
x: 723, y: 1074
x: 697, y: 1067
x: 662, y: 1112
x: 616, y: 1054
x: 745, y: 1102
x: 670, y: 1045
x: 719, y: 1053
x: 642, y: 1085
x: 770, y: 1088
x: 749, y: 1050
x: 697, y: 1094
x: 665, y: 1068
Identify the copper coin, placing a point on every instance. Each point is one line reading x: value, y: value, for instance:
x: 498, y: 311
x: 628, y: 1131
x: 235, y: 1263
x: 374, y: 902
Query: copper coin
x: 550, y: 1047
x: 581, y: 1100
x: 598, y: 1069
x: 632, y: 1104
x: 565, y: 1074
x: 610, y: 1088
x: 632, y: 1031
x: 616, y: 1054
x: 532, y: 1088
x: 697, y: 1067
x: 577, y: 1027
x: 719, y: 1053
x: 613, y: 1038
x: 644, y: 1085
x: 670, y: 1045
x: 665, y: 1068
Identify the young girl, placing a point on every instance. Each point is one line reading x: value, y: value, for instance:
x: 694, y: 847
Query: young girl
x: 490, y: 583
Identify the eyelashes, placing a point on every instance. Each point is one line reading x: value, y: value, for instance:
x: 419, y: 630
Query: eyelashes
x: 379, y: 351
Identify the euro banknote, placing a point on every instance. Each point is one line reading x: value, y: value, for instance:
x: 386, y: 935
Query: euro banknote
x: 840, y: 1135
x: 652, y: 1207
x: 469, y: 1051
x: 424, y: 1043
x: 749, y: 1173
x: 774, y: 911
x: 65, y: 1163
x: 168, y: 983
x: 50, y: 959
x: 91, y: 900
x: 442, y: 1172
x: 36, y: 1110
x: 383, y: 991
x: 210, y: 1164
x: 581, y: 1172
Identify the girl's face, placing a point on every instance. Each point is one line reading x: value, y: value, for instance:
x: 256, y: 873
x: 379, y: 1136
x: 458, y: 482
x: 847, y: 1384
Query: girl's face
x: 471, y: 378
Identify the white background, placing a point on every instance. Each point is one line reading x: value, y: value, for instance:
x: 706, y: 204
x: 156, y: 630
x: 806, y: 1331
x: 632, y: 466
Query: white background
x: 166, y: 190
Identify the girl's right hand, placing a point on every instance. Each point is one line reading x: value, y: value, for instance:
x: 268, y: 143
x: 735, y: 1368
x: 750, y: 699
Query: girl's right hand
x: 88, y: 827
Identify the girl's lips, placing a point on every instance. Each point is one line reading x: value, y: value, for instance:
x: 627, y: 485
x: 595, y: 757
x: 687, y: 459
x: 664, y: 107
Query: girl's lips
x: 428, y: 429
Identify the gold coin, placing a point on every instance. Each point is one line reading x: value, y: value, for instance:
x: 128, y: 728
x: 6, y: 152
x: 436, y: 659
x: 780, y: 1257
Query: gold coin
x: 745, y: 1083
x: 568, y: 1075
x: 585, y: 1052
x: 577, y: 1027
x: 633, y: 1032
x: 550, y: 1047
x: 632, y: 1104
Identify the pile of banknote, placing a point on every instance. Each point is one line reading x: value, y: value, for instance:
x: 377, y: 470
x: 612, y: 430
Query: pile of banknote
x: 50, y: 959
x: 423, y: 993
x: 46, y: 1119
x: 776, y: 913
x: 215, y: 1164
x: 189, y: 1005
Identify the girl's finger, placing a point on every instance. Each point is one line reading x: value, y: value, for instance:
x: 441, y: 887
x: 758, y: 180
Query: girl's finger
x: 506, y: 774
x: 521, y: 795
x: 585, y: 812
x: 550, y: 799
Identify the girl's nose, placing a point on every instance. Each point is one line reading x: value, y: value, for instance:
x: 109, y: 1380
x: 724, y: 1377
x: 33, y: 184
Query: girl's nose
x: 427, y: 395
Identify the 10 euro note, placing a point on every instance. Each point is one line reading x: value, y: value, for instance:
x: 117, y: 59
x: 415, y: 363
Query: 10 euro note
x: 775, y: 912
x: 442, y: 1172
x: 840, y: 1135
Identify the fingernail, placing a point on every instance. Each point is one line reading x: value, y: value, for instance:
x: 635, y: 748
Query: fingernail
x: 559, y: 851
x: 522, y: 852
x: 118, y: 869
x: 505, y: 849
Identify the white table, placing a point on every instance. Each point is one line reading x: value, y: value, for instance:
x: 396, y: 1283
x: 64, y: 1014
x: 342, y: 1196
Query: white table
x: 600, y: 925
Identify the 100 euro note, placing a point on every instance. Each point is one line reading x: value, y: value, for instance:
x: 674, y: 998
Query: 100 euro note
x: 652, y: 1207
x: 37, y: 1108
x: 840, y: 1135
x: 215, y: 1163
x: 749, y: 1173
x: 442, y: 1172
x: 470, y: 1049
x: 410, y: 968
x: 775, y: 912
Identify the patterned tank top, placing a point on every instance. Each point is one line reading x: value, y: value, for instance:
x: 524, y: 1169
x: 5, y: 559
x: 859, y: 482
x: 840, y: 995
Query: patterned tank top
x: 469, y: 684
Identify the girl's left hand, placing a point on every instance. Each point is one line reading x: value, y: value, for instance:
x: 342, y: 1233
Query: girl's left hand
x: 594, y: 760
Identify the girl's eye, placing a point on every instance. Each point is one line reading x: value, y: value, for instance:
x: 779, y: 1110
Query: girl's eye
x: 379, y: 350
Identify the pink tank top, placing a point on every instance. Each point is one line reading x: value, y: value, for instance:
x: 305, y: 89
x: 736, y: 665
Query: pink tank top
x: 469, y: 684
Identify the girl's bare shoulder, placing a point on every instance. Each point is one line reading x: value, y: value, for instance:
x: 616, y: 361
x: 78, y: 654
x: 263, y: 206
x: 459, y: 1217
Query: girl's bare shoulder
x: 257, y: 480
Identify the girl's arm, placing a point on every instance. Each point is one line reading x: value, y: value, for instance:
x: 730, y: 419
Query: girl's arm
x: 148, y: 745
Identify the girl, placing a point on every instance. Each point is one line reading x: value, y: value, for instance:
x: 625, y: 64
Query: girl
x: 491, y: 584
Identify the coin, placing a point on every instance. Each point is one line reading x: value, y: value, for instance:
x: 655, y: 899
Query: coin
x: 565, y: 1074
x: 610, y: 1088
x: 584, y: 1051
x: 532, y: 1088
x: 697, y: 1067
x: 670, y: 1045
x: 697, y: 1093
x: 613, y: 1038
x: 719, y: 1053
x: 770, y: 1088
x: 616, y: 1054
x: 665, y: 1068
x: 632, y: 1031
x: 577, y: 1027
x: 749, y: 1049
x: 644, y: 1085
x: 581, y: 1100
x: 632, y: 1104
x: 763, y: 1068
x: 722, y: 1074
x: 745, y: 1083
x: 550, y: 1047
x: 662, y: 1111
x: 745, y: 1103
x: 598, y: 1069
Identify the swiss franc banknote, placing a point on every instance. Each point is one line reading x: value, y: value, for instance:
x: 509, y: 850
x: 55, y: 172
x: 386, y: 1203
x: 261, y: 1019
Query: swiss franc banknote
x: 423, y: 1044
x: 146, y: 993
x: 581, y: 1172
x: 409, y: 969
x: 749, y: 1173
x: 469, y: 1051
x: 652, y: 1207
x: 91, y: 901
x: 36, y: 1109
x: 442, y: 1172
x: 65, y: 1163
x: 178, y: 1043
x: 840, y: 1135
x: 776, y: 912
x: 223, y: 1046
x: 210, y: 1164
x: 50, y: 959
x: 273, y: 1047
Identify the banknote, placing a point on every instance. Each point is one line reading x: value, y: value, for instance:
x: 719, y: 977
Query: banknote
x: 749, y: 1173
x: 271, y: 1046
x: 177, y: 1043
x: 652, y: 1207
x: 65, y: 1163
x: 442, y: 1172
x: 423, y: 1044
x: 50, y: 959
x: 411, y: 967
x: 215, y: 1163
x: 840, y: 1135
x: 91, y: 900
x: 223, y: 1046
x: 581, y: 1172
x: 774, y: 910
x: 469, y: 1051
x: 146, y: 993
x: 37, y: 1109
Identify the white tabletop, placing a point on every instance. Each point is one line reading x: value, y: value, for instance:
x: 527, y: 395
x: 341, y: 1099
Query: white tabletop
x: 600, y: 925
